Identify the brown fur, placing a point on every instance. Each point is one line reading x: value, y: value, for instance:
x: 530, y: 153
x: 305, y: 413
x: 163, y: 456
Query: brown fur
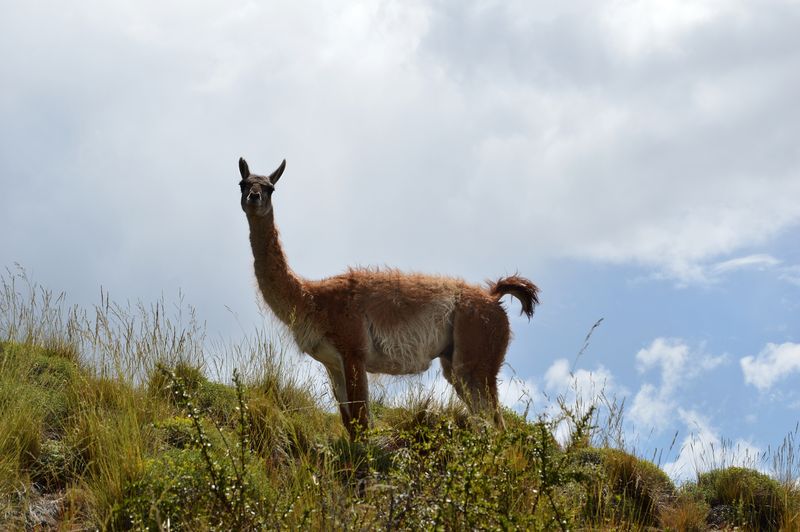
x: 519, y: 287
x: 383, y: 320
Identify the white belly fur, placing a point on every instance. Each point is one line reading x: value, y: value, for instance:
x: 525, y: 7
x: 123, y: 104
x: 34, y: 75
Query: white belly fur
x: 410, y: 346
x: 405, y: 347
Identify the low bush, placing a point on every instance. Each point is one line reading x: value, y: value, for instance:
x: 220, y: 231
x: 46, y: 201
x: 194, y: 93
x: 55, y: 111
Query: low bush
x: 623, y: 487
x: 685, y: 514
x: 176, y: 432
x: 173, y: 487
x: 739, y: 496
x: 21, y: 429
x: 56, y: 465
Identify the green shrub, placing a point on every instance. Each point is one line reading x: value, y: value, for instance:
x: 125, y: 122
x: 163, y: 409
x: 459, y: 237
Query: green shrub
x: 173, y: 486
x: 50, y: 380
x: 207, y: 481
x: 687, y: 513
x: 56, y: 379
x: 442, y: 475
x: 274, y: 433
x: 55, y: 466
x: 217, y: 400
x: 51, y: 368
x: 287, y: 393
x: 21, y: 428
x: 160, y: 384
x: 287, y: 424
x: 176, y: 432
x: 622, y: 487
x: 37, y: 391
x: 742, y: 497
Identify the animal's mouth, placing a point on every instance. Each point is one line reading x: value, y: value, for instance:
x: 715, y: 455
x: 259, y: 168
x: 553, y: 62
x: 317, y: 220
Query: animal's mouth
x: 255, y: 206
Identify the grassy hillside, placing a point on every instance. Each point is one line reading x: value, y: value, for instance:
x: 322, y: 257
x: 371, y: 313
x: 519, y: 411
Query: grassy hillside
x: 109, y: 420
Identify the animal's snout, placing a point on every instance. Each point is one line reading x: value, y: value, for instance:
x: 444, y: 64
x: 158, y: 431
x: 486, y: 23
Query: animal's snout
x: 254, y: 195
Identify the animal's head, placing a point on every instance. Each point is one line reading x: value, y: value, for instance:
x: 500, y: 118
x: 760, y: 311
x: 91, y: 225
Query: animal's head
x: 257, y: 189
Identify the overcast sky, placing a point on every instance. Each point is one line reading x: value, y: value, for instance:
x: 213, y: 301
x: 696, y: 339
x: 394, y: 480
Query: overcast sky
x: 638, y: 160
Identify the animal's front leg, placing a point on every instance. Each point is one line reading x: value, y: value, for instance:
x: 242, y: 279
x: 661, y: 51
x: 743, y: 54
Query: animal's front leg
x: 355, y: 374
x: 339, y: 385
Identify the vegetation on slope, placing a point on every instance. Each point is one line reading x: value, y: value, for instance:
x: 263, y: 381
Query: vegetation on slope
x: 110, y: 421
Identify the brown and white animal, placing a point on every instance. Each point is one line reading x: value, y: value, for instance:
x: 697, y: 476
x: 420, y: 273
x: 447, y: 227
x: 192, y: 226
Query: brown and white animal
x: 383, y: 321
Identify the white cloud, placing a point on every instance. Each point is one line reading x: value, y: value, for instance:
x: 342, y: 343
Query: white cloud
x: 652, y: 408
x: 702, y: 273
x: 791, y: 274
x: 517, y: 393
x: 759, y: 261
x: 409, y: 127
x: 671, y: 355
x: 583, y: 386
x: 773, y: 363
x: 656, y: 406
x: 703, y: 449
x: 676, y: 361
x: 642, y: 28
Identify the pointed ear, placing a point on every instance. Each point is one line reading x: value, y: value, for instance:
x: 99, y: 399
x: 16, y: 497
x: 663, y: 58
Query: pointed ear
x: 243, y: 168
x: 273, y: 178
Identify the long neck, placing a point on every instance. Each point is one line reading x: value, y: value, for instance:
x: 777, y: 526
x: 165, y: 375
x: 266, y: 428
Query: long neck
x: 281, y: 287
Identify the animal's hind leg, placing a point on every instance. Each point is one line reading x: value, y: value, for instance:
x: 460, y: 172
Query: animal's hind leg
x: 456, y: 383
x: 481, y: 335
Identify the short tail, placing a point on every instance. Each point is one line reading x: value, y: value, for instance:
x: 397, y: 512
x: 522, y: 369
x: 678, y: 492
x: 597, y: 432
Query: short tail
x: 519, y: 287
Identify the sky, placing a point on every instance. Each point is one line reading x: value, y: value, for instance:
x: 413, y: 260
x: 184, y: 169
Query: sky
x: 638, y: 160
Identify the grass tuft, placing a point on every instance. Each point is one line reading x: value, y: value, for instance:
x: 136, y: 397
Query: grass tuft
x: 739, y: 496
